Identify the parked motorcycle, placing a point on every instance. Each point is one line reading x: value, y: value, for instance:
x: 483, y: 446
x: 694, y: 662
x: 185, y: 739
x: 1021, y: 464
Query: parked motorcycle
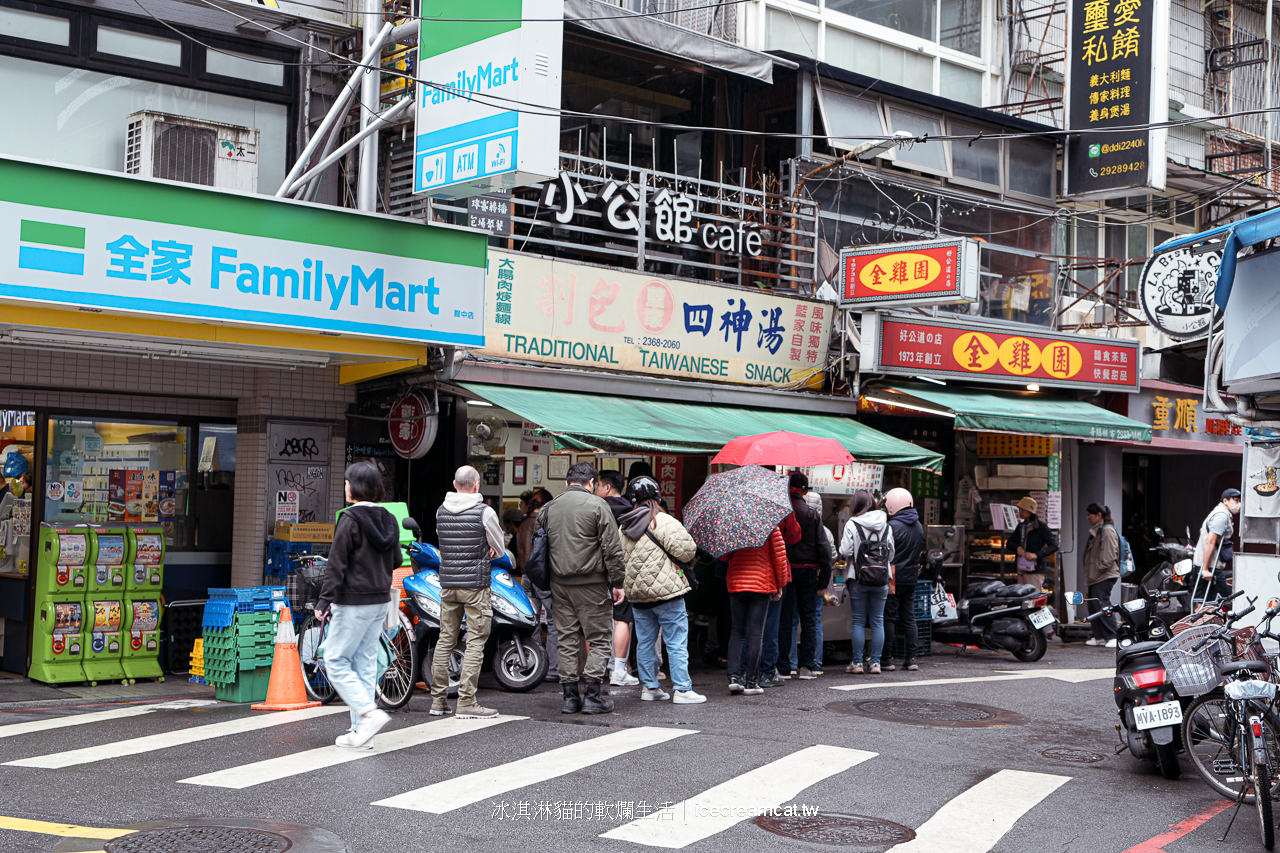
x: 991, y: 615
x: 1168, y: 576
x: 518, y: 663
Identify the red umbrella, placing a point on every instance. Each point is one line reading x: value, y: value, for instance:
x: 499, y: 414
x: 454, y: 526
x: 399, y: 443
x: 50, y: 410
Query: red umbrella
x: 783, y: 448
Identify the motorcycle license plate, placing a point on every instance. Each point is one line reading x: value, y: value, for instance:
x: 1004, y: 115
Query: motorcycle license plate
x: 1041, y: 618
x: 1154, y: 716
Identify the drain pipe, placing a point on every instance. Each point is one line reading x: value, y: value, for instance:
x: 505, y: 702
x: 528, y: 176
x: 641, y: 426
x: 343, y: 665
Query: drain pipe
x: 370, y: 94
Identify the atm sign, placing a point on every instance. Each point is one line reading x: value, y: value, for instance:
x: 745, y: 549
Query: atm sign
x: 929, y: 272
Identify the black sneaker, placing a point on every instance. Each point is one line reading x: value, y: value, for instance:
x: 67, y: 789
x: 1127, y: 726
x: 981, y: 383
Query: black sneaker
x: 889, y: 667
x: 752, y: 688
x: 770, y: 681
x: 735, y: 684
x: 911, y: 666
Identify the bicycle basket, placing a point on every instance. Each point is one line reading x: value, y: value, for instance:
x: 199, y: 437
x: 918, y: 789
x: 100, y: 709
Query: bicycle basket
x: 311, y: 574
x: 1195, y: 672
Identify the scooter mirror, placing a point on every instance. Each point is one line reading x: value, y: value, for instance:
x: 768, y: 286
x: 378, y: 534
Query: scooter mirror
x: 1160, y: 532
x: 1273, y: 606
x: 1075, y: 598
x: 412, y: 526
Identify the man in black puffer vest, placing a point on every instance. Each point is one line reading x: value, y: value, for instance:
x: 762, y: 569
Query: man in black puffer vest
x: 908, y: 552
x: 470, y: 536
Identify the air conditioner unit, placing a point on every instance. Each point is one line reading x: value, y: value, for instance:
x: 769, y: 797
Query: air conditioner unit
x: 195, y: 151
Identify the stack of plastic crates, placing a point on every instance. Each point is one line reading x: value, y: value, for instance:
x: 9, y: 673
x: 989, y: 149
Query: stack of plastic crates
x: 197, y: 663
x: 924, y: 625
x: 238, y: 650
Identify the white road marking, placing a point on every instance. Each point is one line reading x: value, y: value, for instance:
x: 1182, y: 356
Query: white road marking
x: 741, y: 798
x: 180, y: 737
x: 272, y: 769
x: 14, y: 729
x: 1072, y: 676
x: 974, y: 821
x: 462, y: 791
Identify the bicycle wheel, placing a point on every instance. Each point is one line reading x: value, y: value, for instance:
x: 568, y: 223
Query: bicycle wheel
x: 1209, y: 734
x: 395, y: 688
x: 310, y: 636
x: 1266, y: 825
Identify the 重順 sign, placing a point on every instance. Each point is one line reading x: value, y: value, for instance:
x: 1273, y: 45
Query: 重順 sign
x: 923, y: 273
x: 1177, y: 415
x: 482, y: 80
x: 554, y: 311
x: 1117, y: 83
x: 961, y: 350
x: 412, y: 426
x: 1177, y: 290
x: 128, y: 245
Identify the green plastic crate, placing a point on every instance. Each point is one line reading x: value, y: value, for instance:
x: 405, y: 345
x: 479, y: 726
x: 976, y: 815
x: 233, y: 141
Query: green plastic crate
x: 265, y: 617
x: 249, y: 686
x: 252, y: 663
x: 251, y: 640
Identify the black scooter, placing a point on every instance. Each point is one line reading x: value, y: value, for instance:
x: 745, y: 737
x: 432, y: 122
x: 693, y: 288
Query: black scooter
x: 994, y: 616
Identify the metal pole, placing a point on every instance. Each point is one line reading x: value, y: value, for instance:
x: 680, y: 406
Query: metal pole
x: 1267, y: 95
x: 370, y: 94
x: 370, y: 131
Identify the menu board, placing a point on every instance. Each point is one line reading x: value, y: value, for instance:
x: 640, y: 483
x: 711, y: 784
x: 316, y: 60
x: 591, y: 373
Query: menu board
x: 150, y: 495
x: 133, y: 501
x: 117, y: 480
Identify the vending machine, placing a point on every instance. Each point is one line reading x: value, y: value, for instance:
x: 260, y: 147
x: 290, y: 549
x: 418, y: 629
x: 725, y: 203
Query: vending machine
x: 141, y: 651
x: 102, y: 660
x: 144, y: 560
x: 107, y: 556
x: 61, y: 581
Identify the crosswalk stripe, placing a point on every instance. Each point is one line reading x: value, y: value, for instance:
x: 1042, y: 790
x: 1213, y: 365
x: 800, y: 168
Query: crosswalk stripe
x: 179, y: 737
x: 978, y: 818
x: 462, y: 791
x: 272, y: 769
x: 742, y: 797
x: 13, y: 729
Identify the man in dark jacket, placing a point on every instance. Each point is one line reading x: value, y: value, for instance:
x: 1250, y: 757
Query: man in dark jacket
x: 470, y: 537
x: 810, y: 571
x: 908, y: 551
x: 610, y: 488
x: 1032, y: 541
x: 587, y: 572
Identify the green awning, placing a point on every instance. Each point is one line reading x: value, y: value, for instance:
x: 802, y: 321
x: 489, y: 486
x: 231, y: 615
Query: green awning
x: 589, y: 422
x: 1026, y: 414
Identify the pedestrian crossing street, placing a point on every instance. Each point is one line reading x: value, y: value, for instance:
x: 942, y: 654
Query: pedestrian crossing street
x: 972, y: 822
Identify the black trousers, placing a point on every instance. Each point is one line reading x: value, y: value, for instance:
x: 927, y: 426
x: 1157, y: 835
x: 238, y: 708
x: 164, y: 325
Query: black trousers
x: 804, y: 583
x: 749, y: 609
x: 900, y: 615
x: 1100, y: 597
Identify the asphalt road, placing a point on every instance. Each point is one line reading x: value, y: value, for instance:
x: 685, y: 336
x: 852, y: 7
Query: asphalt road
x: 544, y: 781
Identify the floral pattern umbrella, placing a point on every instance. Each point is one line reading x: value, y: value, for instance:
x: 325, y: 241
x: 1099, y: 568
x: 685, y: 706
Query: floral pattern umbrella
x: 737, y: 509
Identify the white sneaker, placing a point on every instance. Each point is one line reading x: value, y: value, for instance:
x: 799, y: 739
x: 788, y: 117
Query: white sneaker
x: 1093, y: 641
x: 654, y: 695
x: 1111, y: 644
x: 370, y: 724
x: 346, y: 740
x: 622, y: 678
x: 688, y: 697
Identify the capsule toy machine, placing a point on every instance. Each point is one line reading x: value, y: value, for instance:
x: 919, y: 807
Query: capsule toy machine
x: 61, y: 580
x: 144, y: 561
x: 104, y: 605
x: 144, y: 577
x: 108, y: 557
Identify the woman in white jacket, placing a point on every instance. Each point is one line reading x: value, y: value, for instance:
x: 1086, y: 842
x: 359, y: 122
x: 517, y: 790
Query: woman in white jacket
x: 866, y: 602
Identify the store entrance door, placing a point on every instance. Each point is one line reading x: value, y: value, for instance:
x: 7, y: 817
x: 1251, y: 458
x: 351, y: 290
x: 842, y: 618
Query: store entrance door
x: 18, y: 478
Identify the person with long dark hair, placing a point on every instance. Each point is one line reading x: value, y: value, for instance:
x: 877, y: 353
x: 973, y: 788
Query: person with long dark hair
x: 1101, y: 571
x: 867, y: 523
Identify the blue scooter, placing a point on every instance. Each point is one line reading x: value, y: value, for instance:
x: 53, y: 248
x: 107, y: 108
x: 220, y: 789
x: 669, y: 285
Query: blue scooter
x: 518, y: 662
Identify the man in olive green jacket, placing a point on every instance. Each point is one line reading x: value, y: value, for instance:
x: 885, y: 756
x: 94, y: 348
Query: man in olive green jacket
x: 587, y: 575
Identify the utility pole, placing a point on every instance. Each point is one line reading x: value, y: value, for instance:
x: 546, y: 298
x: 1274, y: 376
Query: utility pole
x: 370, y: 95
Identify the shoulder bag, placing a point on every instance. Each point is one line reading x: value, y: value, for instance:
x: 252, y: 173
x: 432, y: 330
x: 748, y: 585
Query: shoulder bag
x: 685, y: 569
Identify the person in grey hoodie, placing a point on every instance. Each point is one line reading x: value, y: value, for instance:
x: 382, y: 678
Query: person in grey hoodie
x: 867, y: 602
x: 470, y: 536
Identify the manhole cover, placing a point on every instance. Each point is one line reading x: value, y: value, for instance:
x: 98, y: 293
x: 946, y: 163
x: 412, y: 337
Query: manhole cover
x: 200, y: 839
x: 1076, y: 756
x: 843, y: 830
x: 922, y: 712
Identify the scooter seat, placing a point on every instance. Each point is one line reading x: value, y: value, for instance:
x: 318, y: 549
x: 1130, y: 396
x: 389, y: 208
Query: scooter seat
x: 982, y: 589
x: 1137, y: 649
x: 1018, y: 590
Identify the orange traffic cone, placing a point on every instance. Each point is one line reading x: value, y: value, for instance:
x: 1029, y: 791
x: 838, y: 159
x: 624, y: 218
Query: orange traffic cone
x: 286, y: 691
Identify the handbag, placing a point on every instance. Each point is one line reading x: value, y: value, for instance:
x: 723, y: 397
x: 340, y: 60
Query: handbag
x: 685, y: 569
x: 535, y: 567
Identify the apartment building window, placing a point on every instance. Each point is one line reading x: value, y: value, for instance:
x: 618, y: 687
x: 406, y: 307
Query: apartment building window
x: 882, y: 61
x: 956, y: 24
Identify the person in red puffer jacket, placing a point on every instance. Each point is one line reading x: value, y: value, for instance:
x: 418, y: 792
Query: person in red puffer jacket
x: 756, y: 576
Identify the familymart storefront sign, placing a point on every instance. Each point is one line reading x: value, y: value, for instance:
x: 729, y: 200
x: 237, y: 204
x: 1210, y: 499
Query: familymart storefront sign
x: 126, y: 245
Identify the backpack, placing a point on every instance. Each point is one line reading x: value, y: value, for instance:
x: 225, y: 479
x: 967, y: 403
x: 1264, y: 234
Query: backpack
x: 871, y: 564
x: 537, y: 567
x: 1126, y: 554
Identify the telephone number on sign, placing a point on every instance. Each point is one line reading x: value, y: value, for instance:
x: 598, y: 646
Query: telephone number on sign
x: 1123, y: 146
x: 1123, y: 167
x: 662, y: 343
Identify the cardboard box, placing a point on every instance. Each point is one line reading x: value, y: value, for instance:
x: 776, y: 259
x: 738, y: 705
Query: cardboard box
x: 289, y: 531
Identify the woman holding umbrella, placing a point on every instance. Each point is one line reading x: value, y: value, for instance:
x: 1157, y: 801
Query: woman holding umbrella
x: 756, y: 577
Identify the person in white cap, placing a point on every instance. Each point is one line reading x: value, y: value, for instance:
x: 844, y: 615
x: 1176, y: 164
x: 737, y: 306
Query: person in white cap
x: 908, y: 549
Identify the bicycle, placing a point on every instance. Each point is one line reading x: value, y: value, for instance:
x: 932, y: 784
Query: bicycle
x: 1231, y: 733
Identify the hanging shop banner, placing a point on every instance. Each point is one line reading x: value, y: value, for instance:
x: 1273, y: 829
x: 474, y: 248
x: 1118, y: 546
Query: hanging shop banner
x: 541, y: 309
x: 845, y: 479
x: 1117, y: 83
x: 962, y: 350
x: 412, y: 426
x: 923, y: 273
x: 482, y: 80
x: 1262, y: 482
x: 1177, y: 290
x: 128, y: 245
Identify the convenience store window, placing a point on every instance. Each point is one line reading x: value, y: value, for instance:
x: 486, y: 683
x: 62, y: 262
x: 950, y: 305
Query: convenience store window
x: 18, y: 481
x: 119, y: 472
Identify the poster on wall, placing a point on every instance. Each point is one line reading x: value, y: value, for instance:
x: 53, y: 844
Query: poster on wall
x: 1262, y: 482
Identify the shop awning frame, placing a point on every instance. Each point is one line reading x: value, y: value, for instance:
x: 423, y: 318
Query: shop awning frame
x: 983, y: 410
x: 595, y: 423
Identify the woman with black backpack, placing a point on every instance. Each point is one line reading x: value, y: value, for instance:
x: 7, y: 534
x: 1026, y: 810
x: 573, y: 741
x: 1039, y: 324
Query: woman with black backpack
x: 867, y: 546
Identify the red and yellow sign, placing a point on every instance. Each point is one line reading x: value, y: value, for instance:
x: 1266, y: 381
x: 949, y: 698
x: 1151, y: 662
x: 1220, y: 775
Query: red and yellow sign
x: 934, y: 271
x: 958, y: 349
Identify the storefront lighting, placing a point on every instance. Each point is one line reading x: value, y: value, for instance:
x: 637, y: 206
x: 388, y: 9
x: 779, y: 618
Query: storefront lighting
x: 146, y: 349
x: 931, y: 379
x: 901, y: 405
x: 1033, y: 387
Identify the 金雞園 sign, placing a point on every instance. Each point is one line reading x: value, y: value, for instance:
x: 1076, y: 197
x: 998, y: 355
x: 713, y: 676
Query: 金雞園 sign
x: 1117, y: 83
x: 133, y: 246
x: 540, y: 309
x: 946, y: 348
x: 927, y: 272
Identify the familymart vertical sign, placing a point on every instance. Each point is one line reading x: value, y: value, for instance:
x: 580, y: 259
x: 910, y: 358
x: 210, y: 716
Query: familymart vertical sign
x: 488, y: 96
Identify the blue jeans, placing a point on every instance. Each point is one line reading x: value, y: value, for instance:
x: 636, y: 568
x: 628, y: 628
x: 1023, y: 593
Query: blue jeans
x: 671, y: 617
x: 867, y: 603
x: 351, y: 654
x: 769, y: 645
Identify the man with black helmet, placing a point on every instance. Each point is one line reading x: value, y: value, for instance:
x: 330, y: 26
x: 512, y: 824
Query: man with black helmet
x: 1213, y: 546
